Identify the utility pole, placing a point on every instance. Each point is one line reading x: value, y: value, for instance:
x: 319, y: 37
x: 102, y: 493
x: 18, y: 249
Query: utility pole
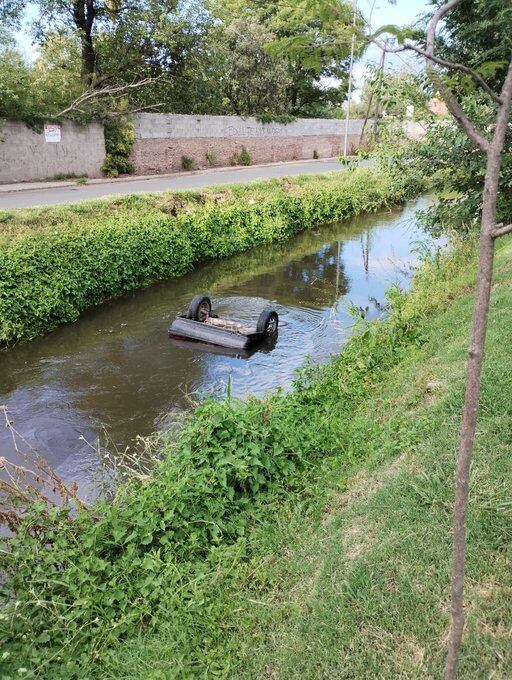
x: 349, y: 92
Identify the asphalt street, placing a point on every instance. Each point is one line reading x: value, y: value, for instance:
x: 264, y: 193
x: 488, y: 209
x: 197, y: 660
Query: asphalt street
x: 71, y: 194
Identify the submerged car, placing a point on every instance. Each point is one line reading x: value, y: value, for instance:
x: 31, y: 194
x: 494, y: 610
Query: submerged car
x: 200, y: 324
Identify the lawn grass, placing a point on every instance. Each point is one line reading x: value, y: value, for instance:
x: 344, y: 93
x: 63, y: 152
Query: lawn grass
x: 351, y: 580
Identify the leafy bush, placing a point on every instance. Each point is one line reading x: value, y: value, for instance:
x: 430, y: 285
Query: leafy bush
x: 187, y: 163
x: 61, y: 261
x: 241, y: 158
x: 283, y: 119
x: 119, y: 139
x: 457, y: 169
x: 60, y: 176
x: 211, y: 156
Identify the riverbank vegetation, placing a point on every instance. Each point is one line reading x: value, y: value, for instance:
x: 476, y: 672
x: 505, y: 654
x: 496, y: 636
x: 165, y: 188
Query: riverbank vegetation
x: 58, y: 261
x: 238, y: 530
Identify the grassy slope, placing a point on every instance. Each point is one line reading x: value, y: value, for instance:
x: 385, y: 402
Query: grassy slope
x: 19, y: 222
x: 353, y: 582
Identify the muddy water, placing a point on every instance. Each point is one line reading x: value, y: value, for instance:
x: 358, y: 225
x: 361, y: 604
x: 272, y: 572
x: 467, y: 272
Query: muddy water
x: 116, y: 368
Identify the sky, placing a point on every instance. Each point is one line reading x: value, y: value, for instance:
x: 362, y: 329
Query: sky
x: 380, y: 13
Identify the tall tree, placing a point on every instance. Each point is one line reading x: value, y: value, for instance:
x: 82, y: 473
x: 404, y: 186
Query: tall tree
x: 114, y: 35
x: 250, y: 80
x: 82, y: 16
x: 446, y: 77
x: 15, y: 100
x: 122, y: 46
x: 313, y: 39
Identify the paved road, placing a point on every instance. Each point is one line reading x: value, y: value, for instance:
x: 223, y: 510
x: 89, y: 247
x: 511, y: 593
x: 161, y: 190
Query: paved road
x: 75, y: 193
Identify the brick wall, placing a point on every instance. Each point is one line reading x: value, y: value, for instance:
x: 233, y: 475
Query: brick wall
x: 213, y: 141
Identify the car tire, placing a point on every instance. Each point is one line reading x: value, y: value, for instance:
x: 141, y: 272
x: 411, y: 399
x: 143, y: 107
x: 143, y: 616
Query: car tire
x: 268, y: 322
x: 200, y: 308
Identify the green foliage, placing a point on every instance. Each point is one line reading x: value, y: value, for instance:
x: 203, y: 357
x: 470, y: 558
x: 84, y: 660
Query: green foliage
x: 119, y: 139
x: 57, y: 262
x: 250, y: 81
x: 35, y: 92
x: 148, y: 39
x: 60, y: 176
x: 283, y: 119
x: 457, y: 169
x: 261, y: 57
x: 210, y: 156
x: 392, y: 91
x: 14, y: 84
x: 400, y: 156
x: 75, y: 585
x: 241, y: 158
x: 187, y: 163
x: 310, y: 40
x: 478, y: 34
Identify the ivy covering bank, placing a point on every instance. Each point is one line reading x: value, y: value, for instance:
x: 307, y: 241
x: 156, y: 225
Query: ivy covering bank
x: 56, y: 262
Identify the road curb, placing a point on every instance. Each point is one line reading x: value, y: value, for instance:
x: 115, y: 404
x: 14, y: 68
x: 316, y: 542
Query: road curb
x: 39, y: 186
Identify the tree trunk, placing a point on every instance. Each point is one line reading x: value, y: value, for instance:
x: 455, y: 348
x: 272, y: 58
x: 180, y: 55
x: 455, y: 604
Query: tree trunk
x: 468, y: 427
x: 88, y: 59
x: 475, y: 360
x: 84, y: 14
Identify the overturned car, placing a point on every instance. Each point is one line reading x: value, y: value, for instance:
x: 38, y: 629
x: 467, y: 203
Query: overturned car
x: 200, y: 324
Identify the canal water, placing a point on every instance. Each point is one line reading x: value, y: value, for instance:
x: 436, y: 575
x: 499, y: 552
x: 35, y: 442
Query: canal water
x: 116, y: 369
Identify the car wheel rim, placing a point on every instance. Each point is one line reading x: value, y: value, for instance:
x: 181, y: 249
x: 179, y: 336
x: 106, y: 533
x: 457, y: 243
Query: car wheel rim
x: 272, y: 326
x: 204, y: 311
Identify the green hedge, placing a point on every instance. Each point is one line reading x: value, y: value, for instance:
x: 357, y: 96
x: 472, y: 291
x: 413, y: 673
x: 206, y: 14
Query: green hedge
x: 55, y: 263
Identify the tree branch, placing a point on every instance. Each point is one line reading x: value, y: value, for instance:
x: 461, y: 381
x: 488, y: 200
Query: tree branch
x: 118, y: 114
x: 457, y: 112
x: 431, y: 30
x: 501, y: 231
x: 450, y: 99
x: 449, y: 65
x: 108, y: 91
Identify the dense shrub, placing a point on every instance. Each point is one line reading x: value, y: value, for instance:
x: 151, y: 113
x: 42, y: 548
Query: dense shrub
x: 456, y: 167
x: 187, y: 163
x: 119, y: 139
x: 241, y: 158
x: 74, y: 258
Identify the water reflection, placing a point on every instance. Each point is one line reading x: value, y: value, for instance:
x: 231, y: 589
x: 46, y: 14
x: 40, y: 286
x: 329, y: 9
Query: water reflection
x: 117, y: 367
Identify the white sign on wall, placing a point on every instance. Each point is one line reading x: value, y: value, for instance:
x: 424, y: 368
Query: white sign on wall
x: 51, y: 133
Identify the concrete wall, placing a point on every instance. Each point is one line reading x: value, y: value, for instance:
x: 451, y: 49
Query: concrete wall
x: 162, y: 139
x: 26, y: 156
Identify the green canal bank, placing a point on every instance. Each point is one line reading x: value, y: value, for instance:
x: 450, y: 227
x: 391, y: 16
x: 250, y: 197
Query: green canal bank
x: 305, y: 534
x: 56, y: 262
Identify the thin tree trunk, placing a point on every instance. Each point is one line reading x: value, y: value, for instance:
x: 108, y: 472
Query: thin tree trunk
x: 367, y: 114
x: 475, y: 360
